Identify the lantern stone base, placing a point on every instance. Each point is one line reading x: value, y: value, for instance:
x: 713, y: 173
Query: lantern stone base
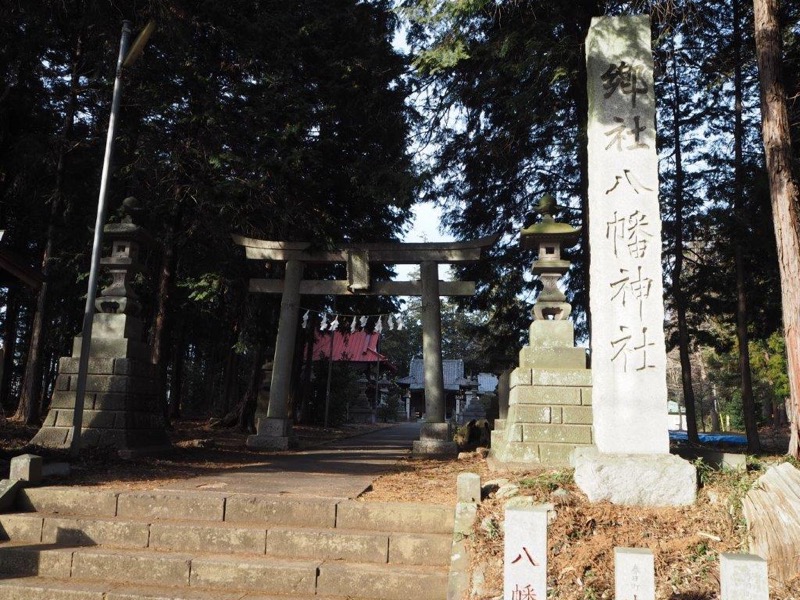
x: 272, y: 434
x: 121, y: 404
x: 549, y: 412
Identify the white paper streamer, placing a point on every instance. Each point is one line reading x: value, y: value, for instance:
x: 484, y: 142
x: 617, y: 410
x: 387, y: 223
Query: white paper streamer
x: 324, y: 323
x: 305, y: 319
x: 335, y: 324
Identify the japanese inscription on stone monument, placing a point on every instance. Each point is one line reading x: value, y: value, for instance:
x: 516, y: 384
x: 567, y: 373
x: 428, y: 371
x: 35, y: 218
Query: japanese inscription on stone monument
x: 628, y: 354
x: 525, y: 553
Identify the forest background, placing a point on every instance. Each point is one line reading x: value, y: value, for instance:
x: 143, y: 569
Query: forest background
x: 306, y: 121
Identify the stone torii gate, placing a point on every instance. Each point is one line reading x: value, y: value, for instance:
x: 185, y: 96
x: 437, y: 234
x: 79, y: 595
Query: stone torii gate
x: 273, y: 422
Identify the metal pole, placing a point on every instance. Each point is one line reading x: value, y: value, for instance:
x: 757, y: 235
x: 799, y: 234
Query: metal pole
x: 88, y: 316
x: 328, y: 385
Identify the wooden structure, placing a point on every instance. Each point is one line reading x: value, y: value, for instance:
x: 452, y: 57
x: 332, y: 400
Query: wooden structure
x: 274, y: 426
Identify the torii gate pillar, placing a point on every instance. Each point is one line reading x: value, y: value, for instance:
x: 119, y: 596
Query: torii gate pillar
x: 273, y: 429
x: 435, y: 435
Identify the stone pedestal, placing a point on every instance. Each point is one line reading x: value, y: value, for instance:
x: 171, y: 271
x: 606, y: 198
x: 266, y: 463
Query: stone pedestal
x: 121, y: 406
x: 635, y: 479
x: 272, y: 434
x: 435, y: 439
x: 550, y: 412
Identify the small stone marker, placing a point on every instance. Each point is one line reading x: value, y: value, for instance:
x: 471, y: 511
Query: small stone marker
x: 26, y: 468
x: 525, y: 553
x: 469, y: 488
x: 743, y: 577
x: 634, y: 574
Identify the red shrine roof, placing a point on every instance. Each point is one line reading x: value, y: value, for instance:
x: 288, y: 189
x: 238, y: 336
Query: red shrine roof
x: 360, y: 346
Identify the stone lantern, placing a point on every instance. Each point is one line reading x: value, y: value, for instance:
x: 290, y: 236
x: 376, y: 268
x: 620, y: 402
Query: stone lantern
x: 549, y: 238
x: 550, y: 394
x: 123, y: 409
x: 360, y: 411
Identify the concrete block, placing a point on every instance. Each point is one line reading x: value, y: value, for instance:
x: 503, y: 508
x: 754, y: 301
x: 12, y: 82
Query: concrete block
x: 469, y: 487
x: 586, y: 396
x: 420, y: 549
x: 557, y: 415
x: 26, y: 468
x: 8, y: 493
x: 52, y: 437
x: 50, y: 419
x: 21, y: 528
x: 394, y: 516
x: 136, y: 592
x: 635, y: 479
x: 267, y: 442
x: 134, y: 368
x: 127, y: 566
x: 68, y: 501
x: 328, y: 545
x: 111, y: 401
x: 434, y: 448
x: 551, y: 334
x: 68, y: 365
x: 556, y: 455
x: 562, y: 377
x: 62, y: 383
x: 38, y: 589
x: 563, y: 434
x: 282, y: 577
x: 578, y: 414
x: 441, y: 432
x: 552, y: 358
x: 64, y: 400
x: 388, y: 583
x: 520, y: 376
x: 38, y: 561
x: 516, y: 454
x: 459, y: 579
x: 537, y: 394
x: 530, y: 414
x: 184, y: 537
x: 113, y: 348
x: 288, y: 512
x: 196, y: 506
x: 634, y: 573
x: 95, y: 532
x: 743, y: 577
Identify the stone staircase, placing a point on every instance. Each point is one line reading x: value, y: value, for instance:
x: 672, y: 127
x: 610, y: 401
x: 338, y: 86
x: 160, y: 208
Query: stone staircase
x: 84, y: 543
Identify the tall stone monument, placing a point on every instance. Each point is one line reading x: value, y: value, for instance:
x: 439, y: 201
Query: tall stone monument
x: 550, y: 401
x: 122, y: 408
x: 629, y: 386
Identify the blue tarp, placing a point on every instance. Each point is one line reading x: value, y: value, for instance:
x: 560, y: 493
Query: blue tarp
x: 711, y: 438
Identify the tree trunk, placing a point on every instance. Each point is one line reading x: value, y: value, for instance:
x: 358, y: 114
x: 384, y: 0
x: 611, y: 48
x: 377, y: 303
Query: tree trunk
x: 176, y: 381
x: 29, y: 408
x: 784, y: 193
x: 739, y: 234
x: 160, y: 339
x: 9, y: 346
x: 677, y: 273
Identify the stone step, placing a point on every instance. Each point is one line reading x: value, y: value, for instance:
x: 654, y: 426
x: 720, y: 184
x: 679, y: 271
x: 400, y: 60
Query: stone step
x: 238, y: 508
x: 224, y: 537
x: 39, y: 588
x: 223, y: 572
